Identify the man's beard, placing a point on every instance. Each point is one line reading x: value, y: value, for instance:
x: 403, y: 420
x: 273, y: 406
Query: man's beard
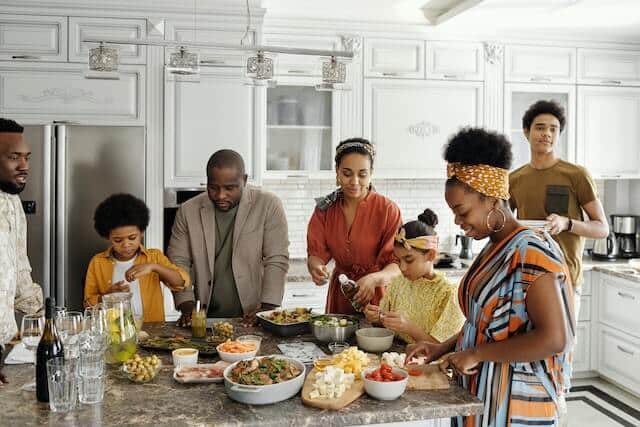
x: 11, y: 187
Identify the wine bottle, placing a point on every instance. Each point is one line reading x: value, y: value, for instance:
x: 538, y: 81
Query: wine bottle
x: 50, y: 346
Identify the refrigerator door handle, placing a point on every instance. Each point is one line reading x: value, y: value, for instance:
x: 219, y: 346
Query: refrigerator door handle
x: 60, y: 204
x: 47, y: 203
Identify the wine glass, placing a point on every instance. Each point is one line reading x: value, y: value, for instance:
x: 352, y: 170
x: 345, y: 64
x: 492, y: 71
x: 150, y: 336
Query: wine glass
x: 31, y: 331
x: 69, y: 326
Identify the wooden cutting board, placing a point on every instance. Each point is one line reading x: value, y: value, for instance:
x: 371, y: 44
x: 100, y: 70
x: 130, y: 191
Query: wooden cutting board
x: 355, y: 391
x: 432, y: 378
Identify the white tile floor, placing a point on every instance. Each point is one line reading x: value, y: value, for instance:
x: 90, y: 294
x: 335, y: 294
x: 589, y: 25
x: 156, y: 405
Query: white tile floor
x: 583, y: 414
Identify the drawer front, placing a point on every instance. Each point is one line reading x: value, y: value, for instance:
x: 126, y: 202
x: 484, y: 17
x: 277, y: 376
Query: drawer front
x: 394, y: 58
x: 608, y: 67
x: 620, y: 304
x: 33, y: 38
x: 80, y: 28
x: 305, y: 295
x: 62, y: 93
x: 455, y: 61
x: 585, y: 309
x: 303, y: 65
x: 619, y: 357
x: 581, y: 358
x: 540, y: 64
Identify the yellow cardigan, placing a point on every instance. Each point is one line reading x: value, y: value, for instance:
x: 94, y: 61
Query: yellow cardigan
x: 100, y: 272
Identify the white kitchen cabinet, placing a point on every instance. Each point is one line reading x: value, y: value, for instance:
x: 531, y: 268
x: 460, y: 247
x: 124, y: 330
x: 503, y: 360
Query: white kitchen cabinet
x: 619, y: 304
x: 305, y: 294
x: 41, y: 92
x: 455, y: 61
x: 303, y: 65
x: 518, y: 97
x: 201, y: 118
x: 619, y: 357
x: 212, y: 32
x: 80, y: 28
x: 33, y: 38
x: 609, y: 131
x: 410, y: 121
x: 302, y: 129
x: 608, y: 67
x: 540, y: 64
x: 581, y: 354
x: 394, y: 58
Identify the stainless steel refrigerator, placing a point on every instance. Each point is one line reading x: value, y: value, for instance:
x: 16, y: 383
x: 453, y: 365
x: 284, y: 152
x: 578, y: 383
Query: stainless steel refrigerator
x: 72, y: 169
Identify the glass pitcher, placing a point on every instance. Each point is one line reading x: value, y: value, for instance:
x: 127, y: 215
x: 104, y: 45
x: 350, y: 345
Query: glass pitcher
x: 121, y: 327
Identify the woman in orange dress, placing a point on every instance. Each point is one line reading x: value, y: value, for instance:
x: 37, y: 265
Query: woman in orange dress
x: 354, y: 226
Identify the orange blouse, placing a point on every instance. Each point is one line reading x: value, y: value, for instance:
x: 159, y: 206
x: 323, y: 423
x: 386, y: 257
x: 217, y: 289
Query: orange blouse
x: 365, y: 248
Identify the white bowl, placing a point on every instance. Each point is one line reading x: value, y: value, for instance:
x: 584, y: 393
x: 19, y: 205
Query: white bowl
x: 256, y: 339
x: 234, y: 357
x: 184, y: 357
x: 374, y: 340
x: 385, y: 390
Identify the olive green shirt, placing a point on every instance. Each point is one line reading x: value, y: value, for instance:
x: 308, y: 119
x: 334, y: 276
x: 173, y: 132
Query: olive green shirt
x: 225, y: 301
x: 563, y: 189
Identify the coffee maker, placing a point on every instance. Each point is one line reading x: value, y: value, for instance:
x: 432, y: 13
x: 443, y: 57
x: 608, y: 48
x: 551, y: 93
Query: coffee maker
x: 465, y: 248
x: 624, y: 228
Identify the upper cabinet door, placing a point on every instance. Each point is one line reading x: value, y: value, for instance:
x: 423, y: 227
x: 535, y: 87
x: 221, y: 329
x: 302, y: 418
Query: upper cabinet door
x: 202, y: 118
x: 80, y: 28
x: 33, y: 38
x: 301, y: 65
x: 608, y: 67
x: 410, y: 121
x: 540, y: 64
x: 43, y: 92
x: 518, y: 97
x: 394, y: 58
x: 455, y: 61
x: 212, y: 33
x: 609, y: 131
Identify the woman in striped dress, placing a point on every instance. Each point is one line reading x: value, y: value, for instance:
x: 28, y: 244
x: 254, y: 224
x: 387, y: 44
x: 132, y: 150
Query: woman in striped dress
x: 512, y: 352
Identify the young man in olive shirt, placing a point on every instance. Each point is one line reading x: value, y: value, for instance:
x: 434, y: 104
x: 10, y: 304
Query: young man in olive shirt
x: 558, y: 191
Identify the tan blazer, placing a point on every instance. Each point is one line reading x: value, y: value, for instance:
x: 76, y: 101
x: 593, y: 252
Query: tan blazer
x: 260, y: 259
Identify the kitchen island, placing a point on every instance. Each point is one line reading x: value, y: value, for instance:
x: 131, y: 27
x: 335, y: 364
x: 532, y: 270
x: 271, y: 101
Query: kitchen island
x: 166, y: 402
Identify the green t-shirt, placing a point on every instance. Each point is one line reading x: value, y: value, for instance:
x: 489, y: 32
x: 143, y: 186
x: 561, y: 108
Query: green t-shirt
x: 225, y: 301
x: 561, y: 189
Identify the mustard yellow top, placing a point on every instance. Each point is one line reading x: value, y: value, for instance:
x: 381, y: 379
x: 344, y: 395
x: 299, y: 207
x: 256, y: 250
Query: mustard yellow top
x: 432, y: 304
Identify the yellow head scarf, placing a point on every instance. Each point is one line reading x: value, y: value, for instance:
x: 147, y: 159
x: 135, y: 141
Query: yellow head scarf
x: 424, y: 243
x: 488, y: 180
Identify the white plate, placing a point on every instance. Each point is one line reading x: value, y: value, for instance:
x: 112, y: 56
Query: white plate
x: 216, y: 365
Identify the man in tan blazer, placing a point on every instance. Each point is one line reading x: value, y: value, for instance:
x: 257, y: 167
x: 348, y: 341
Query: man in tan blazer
x: 233, y: 241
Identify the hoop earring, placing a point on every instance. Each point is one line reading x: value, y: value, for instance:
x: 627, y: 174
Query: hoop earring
x: 504, y: 220
x: 338, y: 184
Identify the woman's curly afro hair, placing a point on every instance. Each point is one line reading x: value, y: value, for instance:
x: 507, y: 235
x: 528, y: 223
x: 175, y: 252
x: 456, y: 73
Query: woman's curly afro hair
x: 120, y: 210
x: 475, y: 146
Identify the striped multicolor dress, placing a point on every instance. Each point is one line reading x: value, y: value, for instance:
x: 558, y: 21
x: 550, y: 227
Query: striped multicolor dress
x: 492, y: 296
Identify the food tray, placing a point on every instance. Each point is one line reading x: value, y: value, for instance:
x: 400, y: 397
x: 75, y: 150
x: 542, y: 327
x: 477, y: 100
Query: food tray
x: 283, y: 330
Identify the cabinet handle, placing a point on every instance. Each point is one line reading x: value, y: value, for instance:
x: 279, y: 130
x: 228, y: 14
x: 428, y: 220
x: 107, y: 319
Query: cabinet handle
x: 625, y: 295
x: 624, y: 350
x: 203, y: 183
x: 450, y: 76
x: 297, y: 71
x: 301, y: 295
x: 540, y: 79
x: 610, y: 176
x: 390, y: 74
x: 213, y: 61
x: 25, y: 57
x: 611, y: 82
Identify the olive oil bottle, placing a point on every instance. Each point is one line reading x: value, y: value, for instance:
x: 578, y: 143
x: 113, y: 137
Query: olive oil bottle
x: 50, y: 346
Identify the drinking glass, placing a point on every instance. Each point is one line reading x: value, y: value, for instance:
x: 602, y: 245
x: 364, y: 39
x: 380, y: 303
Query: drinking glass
x: 91, y: 362
x: 61, y: 379
x: 31, y: 331
x: 69, y: 326
x: 91, y: 389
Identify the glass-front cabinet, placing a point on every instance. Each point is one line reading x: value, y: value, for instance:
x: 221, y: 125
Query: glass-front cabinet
x: 518, y: 98
x: 302, y: 129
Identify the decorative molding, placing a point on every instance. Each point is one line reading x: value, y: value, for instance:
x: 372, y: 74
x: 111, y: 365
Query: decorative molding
x: 493, y: 53
x: 352, y: 43
x: 423, y: 129
x: 67, y: 96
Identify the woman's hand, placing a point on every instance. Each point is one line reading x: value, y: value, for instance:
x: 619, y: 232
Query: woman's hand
x: 319, y: 274
x: 120, y: 286
x: 397, y: 322
x: 372, y: 313
x: 432, y: 351
x: 463, y: 362
x: 138, y: 271
x: 366, y: 288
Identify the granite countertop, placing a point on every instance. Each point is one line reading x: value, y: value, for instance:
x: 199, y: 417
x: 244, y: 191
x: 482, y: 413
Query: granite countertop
x: 166, y: 402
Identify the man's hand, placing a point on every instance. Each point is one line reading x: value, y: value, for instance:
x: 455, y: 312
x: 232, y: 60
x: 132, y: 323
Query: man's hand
x: 250, y: 319
x: 138, y: 271
x: 120, y: 286
x: 186, y: 308
x: 557, y: 224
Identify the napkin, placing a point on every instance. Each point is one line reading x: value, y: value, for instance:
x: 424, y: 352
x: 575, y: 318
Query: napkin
x: 19, y: 355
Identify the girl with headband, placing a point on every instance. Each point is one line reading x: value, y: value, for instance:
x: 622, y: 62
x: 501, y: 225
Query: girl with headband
x: 512, y: 351
x: 421, y: 304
